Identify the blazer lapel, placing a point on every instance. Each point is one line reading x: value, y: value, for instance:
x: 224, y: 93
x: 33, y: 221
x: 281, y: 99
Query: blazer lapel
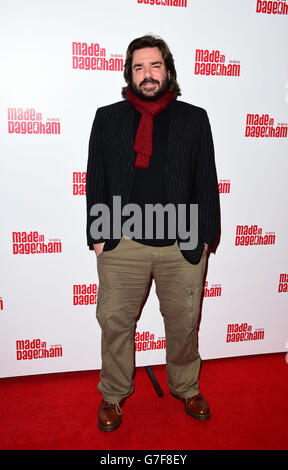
x: 126, y: 125
x: 175, y: 127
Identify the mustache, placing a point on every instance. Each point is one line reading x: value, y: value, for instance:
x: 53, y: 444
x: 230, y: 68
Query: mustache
x: 149, y: 80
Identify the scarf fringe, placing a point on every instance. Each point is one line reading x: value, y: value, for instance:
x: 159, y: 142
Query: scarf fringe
x: 142, y: 161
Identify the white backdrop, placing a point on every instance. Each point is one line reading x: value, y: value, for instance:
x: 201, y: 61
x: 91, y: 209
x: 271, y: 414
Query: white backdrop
x: 48, y: 103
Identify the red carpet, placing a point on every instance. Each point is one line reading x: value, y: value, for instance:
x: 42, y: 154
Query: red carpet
x: 248, y: 397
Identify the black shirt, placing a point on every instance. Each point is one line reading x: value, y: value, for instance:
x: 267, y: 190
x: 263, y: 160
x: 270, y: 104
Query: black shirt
x: 149, y: 183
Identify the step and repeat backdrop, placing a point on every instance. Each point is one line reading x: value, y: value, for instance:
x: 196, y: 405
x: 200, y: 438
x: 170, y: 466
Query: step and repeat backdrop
x: 62, y: 60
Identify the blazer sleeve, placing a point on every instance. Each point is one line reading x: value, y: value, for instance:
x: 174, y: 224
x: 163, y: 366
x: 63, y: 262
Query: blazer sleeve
x: 95, y: 176
x: 207, y: 191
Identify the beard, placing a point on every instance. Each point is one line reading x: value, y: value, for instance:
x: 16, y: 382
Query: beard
x: 163, y: 88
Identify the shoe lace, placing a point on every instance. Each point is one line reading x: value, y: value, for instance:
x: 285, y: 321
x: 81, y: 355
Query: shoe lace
x: 118, y: 408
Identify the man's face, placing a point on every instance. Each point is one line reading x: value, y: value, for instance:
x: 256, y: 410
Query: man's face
x: 149, y: 74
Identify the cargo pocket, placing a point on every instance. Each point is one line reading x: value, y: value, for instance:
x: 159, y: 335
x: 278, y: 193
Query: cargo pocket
x: 101, y: 299
x: 193, y: 298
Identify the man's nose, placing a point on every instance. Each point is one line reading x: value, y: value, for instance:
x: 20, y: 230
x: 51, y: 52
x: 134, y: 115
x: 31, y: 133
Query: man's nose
x: 147, y: 72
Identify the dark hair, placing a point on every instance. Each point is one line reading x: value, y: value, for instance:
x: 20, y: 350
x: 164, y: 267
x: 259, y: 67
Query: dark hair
x: 150, y: 41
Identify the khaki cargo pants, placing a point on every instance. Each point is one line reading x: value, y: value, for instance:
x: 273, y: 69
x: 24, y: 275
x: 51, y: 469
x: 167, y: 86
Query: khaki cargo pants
x: 124, y: 276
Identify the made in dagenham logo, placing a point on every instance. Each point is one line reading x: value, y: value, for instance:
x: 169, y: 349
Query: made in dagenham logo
x: 238, y: 332
x: 146, y: 341
x: 253, y: 235
x: 264, y: 126
x: 277, y: 7
x: 84, y: 294
x: 214, y: 291
x: 26, y: 243
x: 36, y: 349
x: 30, y: 121
x: 165, y: 3
x: 283, y: 283
x: 79, y: 183
x: 93, y: 57
x: 214, y: 63
x: 224, y: 186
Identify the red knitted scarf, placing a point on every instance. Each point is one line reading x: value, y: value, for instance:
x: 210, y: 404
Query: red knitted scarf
x: 149, y: 110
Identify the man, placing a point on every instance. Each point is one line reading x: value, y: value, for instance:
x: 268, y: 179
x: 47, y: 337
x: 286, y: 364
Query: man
x: 150, y: 148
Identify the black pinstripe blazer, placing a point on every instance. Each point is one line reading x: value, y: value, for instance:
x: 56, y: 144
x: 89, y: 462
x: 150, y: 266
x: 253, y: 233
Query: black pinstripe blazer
x: 190, y: 172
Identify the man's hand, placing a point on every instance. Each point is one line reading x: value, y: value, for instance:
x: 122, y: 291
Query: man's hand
x: 206, y: 246
x: 98, y: 248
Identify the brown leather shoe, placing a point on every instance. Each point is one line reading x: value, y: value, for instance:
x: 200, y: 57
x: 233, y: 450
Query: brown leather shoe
x: 109, y: 415
x: 197, y: 407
